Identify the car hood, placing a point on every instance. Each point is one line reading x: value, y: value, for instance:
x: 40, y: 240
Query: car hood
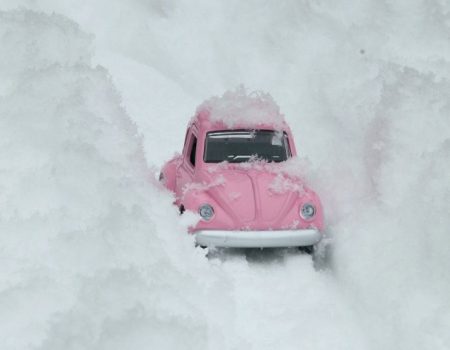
x: 256, y: 199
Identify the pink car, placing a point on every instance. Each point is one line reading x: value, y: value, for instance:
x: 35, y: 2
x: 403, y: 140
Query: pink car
x: 236, y: 173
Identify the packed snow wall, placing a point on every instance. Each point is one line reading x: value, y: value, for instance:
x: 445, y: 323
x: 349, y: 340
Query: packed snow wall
x: 91, y: 250
x: 78, y: 230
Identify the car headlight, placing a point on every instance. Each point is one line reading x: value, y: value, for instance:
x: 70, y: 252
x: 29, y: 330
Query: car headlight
x: 206, y: 212
x: 307, y: 211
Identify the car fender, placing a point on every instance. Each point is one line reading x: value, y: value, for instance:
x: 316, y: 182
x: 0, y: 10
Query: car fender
x: 168, y: 175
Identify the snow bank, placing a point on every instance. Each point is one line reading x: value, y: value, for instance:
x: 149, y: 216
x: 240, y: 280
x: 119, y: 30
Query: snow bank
x: 392, y: 256
x: 81, y: 258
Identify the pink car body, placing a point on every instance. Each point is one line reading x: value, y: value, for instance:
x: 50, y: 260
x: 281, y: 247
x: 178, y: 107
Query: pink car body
x: 252, y: 203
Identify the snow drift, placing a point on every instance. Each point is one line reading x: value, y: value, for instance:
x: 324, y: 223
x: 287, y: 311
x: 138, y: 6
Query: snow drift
x: 393, y: 255
x: 78, y: 240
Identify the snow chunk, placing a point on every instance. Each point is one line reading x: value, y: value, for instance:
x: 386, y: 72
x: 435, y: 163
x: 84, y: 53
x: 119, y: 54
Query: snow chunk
x: 202, y: 186
x: 240, y: 108
x: 283, y: 184
x: 234, y: 196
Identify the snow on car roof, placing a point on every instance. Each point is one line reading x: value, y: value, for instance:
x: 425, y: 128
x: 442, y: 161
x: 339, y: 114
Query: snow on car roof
x: 240, y: 108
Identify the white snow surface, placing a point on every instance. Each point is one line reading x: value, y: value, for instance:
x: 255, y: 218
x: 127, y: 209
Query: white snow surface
x: 240, y: 108
x: 95, y: 96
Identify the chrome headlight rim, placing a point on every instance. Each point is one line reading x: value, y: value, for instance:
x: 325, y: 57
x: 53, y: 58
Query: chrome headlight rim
x: 206, y: 211
x: 308, y: 211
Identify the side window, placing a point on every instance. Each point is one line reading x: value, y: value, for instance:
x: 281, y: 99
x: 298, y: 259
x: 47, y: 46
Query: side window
x: 288, y: 146
x: 193, y: 150
x: 185, y: 144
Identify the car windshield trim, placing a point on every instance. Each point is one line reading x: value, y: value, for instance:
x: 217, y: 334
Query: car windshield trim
x: 238, y: 146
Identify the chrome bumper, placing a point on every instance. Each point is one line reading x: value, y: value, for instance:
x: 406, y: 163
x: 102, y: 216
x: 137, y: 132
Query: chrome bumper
x: 257, y: 239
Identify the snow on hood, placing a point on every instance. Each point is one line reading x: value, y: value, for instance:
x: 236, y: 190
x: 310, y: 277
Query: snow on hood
x: 241, y: 108
x: 289, y: 176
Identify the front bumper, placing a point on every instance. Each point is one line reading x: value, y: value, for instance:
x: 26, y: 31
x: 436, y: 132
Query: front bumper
x: 257, y: 239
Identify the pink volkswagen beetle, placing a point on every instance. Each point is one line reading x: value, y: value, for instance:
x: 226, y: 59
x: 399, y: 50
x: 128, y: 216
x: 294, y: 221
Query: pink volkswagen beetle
x: 235, y: 171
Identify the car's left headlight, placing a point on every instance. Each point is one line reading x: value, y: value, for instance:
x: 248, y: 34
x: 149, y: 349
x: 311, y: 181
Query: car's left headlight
x: 307, y: 211
x: 206, y: 212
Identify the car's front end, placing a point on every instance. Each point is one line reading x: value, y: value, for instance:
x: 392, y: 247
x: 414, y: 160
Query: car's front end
x: 245, y: 190
x: 254, y: 205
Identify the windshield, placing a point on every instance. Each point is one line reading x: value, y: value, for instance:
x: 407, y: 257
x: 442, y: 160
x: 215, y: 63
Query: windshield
x: 243, y: 145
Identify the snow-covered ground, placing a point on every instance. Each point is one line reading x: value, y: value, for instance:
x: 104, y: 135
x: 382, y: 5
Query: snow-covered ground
x: 95, y: 96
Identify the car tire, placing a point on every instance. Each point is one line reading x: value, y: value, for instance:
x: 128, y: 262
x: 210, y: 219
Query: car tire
x: 307, y: 249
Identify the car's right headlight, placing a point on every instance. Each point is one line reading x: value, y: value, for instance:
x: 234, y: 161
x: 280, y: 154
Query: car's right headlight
x: 206, y: 212
x: 307, y: 211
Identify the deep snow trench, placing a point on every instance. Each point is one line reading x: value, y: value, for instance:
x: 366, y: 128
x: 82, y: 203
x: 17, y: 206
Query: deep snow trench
x: 95, y: 96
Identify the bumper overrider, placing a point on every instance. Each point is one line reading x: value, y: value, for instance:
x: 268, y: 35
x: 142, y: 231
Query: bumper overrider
x: 257, y: 239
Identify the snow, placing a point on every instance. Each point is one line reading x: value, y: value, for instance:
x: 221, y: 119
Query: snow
x: 240, y: 108
x: 200, y: 186
x: 95, y: 96
x: 283, y: 184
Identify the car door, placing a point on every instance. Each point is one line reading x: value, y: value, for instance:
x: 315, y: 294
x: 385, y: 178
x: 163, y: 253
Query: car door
x: 186, y: 171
